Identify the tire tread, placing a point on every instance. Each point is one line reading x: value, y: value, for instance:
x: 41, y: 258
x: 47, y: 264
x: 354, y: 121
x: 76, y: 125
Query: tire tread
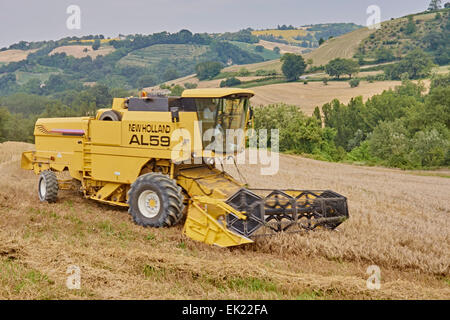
x: 174, y: 211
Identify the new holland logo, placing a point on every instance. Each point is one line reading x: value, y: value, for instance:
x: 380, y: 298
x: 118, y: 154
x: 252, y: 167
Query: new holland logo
x: 65, y: 132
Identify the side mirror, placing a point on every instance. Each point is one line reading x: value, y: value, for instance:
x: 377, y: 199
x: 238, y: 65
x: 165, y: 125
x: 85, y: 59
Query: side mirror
x: 250, y: 117
x: 175, y: 115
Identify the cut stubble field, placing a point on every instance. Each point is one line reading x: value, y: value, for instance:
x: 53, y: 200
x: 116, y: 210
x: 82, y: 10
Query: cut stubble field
x: 14, y: 55
x: 314, y: 94
x: 79, y: 51
x: 398, y: 221
x: 307, y: 97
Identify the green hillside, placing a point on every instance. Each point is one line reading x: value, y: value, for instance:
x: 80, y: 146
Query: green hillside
x: 345, y: 46
x: 152, y: 55
x: 426, y: 31
x: 252, y: 48
x: 133, y: 62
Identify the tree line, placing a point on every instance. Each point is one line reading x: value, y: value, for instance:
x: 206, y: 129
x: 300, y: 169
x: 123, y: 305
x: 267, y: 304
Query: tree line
x: 19, y: 111
x: 402, y: 128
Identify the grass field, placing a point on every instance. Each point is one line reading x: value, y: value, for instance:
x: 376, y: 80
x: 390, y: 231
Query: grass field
x: 23, y: 77
x: 154, y: 54
x: 399, y: 222
x: 267, y: 54
x: 442, y: 69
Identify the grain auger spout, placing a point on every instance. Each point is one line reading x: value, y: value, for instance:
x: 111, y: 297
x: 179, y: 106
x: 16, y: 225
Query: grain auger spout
x: 156, y: 155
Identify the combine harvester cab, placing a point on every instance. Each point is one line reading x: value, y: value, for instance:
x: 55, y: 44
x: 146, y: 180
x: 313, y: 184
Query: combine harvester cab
x: 157, y: 156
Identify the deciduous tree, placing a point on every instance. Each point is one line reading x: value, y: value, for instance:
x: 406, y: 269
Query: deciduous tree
x: 293, y: 66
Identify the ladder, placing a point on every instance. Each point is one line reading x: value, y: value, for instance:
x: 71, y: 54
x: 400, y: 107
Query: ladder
x: 87, y: 160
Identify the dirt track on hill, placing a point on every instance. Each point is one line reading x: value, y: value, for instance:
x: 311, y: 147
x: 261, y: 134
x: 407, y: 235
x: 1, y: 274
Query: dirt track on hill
x: 398, y: 221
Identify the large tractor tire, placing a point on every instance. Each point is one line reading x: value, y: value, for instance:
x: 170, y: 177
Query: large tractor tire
x: 48, y: 186
x: 155, y: 200
x: 110, y: 115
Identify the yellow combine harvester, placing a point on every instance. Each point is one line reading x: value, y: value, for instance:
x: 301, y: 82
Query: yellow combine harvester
x: 154, y: 155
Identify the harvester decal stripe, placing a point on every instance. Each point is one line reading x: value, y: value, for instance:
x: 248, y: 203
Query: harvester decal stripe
x: 64, y: 132
x: 68, y: 132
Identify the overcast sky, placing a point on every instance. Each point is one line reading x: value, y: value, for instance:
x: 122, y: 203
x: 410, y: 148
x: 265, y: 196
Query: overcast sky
x: 46, y: 19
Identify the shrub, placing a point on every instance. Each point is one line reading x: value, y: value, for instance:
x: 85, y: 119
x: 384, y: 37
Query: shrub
x: 176, y: 90
x: 338, y: 67
x: 417, y: 64
x: 429, y: 149
x: 189, y: 85
x: 259, y: 48
x: 361, y: 154
x: 230, y: 82
x: 297, y: 132
x: 389, y: 142
x: 208, y: 70
x: 96, y: 45
x: 243, y: 72
x: 146, y: 81
x: 261, y: 72
x: 354, y: 82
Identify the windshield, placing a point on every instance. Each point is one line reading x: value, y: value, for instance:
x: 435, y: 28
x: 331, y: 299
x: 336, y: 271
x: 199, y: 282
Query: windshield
x: 222, y: 123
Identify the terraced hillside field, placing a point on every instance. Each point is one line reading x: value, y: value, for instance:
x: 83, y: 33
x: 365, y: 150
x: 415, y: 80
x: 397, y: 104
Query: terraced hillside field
x: 267, y: 54
x: 154, y: 54
x: 398, y: 221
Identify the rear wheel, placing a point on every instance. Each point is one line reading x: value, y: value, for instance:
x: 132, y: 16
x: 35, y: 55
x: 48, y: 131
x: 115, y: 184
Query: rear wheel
x: 48, y: 186
x: 110, y: 115
x: 155, y: 200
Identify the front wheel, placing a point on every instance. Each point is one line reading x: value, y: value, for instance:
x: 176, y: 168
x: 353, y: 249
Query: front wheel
x: 155, y: 200
x: 48, y: 186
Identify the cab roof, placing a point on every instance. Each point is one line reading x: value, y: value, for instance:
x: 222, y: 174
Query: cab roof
x: 216, y: 93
